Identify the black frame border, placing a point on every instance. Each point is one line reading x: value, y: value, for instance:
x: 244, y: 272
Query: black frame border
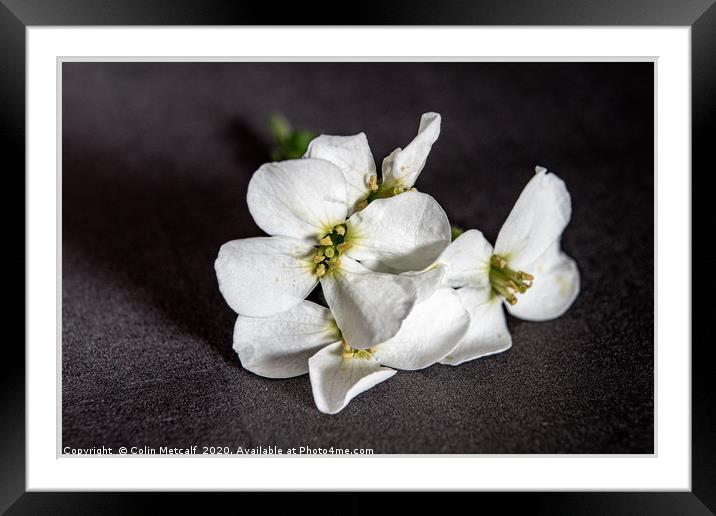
x: 16, y: 15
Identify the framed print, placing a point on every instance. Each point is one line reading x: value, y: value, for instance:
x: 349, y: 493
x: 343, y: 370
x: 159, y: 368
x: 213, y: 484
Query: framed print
x: 448, y: 251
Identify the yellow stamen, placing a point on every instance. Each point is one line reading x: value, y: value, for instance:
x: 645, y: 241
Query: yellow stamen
x: 373, y: 183
x: 341, y: 230
x: 498, y: 261
x: 326, y: 240
x: 506, y: 282
x: 318, y: 258
x: 343, y: 247
x: 349, y: 352
x: 320, y: 270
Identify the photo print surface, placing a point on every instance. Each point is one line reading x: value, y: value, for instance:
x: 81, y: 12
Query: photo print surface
x: 164, y: 164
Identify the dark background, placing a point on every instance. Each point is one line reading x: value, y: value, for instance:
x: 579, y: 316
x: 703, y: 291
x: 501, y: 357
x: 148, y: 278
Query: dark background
x: 156, y: 160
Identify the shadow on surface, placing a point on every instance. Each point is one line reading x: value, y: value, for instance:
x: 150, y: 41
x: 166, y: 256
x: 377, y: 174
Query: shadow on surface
x: 155, y: 230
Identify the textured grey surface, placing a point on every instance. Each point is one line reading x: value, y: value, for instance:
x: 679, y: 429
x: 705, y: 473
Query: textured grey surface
x: 156, y: 160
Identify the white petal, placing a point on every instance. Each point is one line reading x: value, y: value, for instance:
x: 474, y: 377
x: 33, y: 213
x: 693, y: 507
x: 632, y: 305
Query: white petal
x: 300, y: 198
x: 264, y: 275
x: 488, y: 333
x: 553, y: 290
x: 352, y: 155
x: 369, y: 307
x: 427, y: 281
x: 336, y: 380
x: 378, y: 266
x: 536, y: 221
x: 403, y: 167
x: 279, y: 346
x: 431, y: 331
x: 406, y: 232
x: 386, y: 167
x: 468, y: 260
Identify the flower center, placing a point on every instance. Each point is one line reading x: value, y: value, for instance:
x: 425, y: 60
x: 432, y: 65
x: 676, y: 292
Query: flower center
x: 330, y: 247
x: 349, y: 352
x: 507, y: 282
x: 381, y: 191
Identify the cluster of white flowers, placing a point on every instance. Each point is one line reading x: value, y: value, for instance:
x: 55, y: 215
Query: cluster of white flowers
x: 400, y: 295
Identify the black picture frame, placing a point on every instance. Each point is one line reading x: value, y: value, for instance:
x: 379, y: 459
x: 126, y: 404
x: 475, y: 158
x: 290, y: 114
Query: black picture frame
x: 17, y: 15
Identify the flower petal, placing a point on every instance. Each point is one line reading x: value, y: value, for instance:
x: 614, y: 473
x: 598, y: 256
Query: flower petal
x: 378, y: 266
x: 279, y: 346
x: 406, y: 232
x: 403, y: 167
x: 468, y: 260
x: 553, y: 290
x: 386, y: 167
x: 536, y: 221
x: 427, y: 281
x: 264, y: 275
x: 352, y: 155
x: 336, y: 380
x: 487, y: 334
x: 368, y: 306
x: 300, y: 198
x: 431, y: 331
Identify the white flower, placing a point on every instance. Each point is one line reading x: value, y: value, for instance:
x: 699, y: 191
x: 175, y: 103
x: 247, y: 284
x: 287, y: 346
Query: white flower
x: 526, y: 270
x: 353, y: 156
x: 306, y: 338
x: 303, y: 205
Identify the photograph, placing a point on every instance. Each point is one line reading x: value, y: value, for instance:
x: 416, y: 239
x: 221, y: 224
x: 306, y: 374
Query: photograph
x: 446, y: 257
x: 426, y: 248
